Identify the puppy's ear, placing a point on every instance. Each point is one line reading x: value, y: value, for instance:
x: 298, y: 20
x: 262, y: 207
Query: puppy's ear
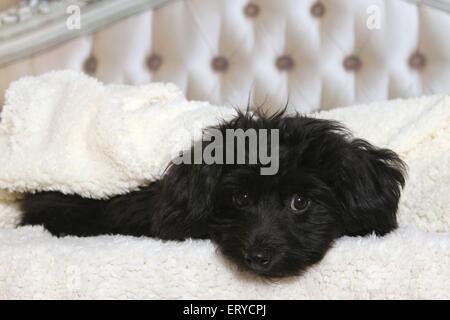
x: 368, y: 185
x: 186, y: 200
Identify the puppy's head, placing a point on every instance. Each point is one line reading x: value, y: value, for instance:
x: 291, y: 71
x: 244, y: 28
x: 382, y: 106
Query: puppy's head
x: 327, y: 185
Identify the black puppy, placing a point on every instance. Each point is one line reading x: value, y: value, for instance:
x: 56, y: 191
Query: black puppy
x: 328, y: 185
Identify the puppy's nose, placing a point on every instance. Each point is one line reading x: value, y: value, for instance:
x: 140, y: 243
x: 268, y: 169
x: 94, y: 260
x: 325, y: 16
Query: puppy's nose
x: 257, y: 259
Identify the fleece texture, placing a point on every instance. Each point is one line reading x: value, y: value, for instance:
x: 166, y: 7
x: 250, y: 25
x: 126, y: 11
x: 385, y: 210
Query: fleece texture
x: 65, y: 131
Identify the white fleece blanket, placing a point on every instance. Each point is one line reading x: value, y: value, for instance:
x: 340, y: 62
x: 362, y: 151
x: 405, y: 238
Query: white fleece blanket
x: 65, y: 131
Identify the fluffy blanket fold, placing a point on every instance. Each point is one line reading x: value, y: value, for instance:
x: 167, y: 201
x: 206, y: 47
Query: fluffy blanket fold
x: 65, y: 131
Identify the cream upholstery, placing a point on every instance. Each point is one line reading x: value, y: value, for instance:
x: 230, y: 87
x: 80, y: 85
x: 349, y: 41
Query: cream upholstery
x: 316, y: 54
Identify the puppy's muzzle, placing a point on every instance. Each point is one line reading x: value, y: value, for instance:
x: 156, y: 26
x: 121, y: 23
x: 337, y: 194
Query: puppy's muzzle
x: 258, y: 259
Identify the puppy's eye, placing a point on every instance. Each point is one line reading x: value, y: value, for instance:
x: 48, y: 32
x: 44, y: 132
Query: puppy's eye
x: 299, y: 203
x: 241, y: 199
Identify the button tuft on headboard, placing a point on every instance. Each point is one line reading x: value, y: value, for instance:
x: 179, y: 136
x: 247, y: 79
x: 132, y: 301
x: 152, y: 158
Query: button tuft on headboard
x: 284, y: 63
x: 352, y: 63
x: 417, y: 61
x: 318, y: 9
x: 219, y: 64
x: 90, y: 65
x: 154, y: 62
x: 251, y: 10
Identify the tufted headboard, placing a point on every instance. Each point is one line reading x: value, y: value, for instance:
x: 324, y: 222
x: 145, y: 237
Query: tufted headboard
x: 309, y: 54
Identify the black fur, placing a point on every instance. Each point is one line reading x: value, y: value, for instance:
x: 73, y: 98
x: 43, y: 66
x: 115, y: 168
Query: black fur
x: 351, y: 188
